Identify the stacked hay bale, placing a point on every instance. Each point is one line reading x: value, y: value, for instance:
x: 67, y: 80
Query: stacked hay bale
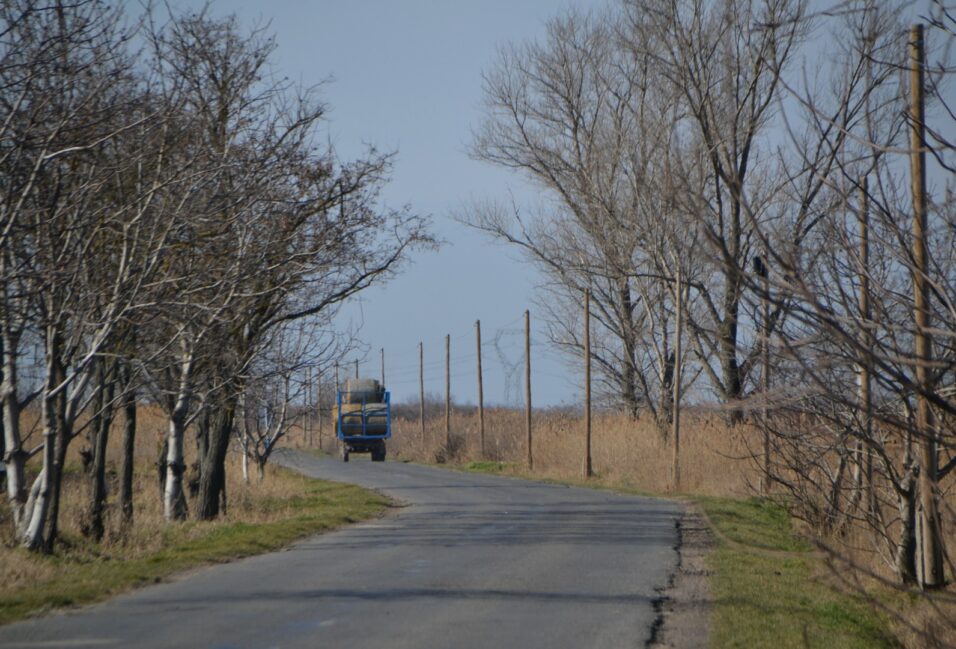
x: 370, y: 395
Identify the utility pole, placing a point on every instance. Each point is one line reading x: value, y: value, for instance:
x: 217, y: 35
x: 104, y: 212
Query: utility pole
x: 356, y: 369
x: 335, y: 400
x: 383, y: 367
x: 864, y: 465
x: 765, y: 379
x: 318, y: 405
x: 481, y: 391
x: 448, y: 393
x: 675, y: 417
x: 587, y: 383
x: 308, y: 407
x: 527, y: 384
x: 421, y: 390
x: 929, y: 563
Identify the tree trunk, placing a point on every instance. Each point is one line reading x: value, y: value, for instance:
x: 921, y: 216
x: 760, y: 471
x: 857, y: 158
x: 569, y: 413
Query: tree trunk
x: 244, y: 435
x: 38, y: 508
x: 629, y: 383
x: 103, y: 419
x: 14, y: 457
x: 64, y: 433
x: 212, y: 477
x: 174, y: 500
x: 730, y: 369
x: 665, y: 411
x: 906, y: 547
x: 161, y: 468
x: 129, y: 445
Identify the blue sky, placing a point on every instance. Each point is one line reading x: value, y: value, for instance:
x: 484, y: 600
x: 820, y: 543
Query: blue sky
x: 406, y: 76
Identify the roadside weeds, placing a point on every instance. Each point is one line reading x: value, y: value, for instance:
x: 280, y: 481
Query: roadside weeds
x: 78, y: 574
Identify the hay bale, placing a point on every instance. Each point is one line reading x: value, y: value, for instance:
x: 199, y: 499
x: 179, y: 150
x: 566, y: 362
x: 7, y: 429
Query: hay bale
x: 376, y: 420
x: 363, y: 391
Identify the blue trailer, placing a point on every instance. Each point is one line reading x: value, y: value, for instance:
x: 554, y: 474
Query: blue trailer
x: 364, y: 418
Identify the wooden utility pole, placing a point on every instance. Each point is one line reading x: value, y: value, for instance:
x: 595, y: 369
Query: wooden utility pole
x: 864, y: 465
x: 675, y: 417
x: 929, y: 564
x: 527, y: 384
x: 383, y: 367
x: 308, y: 407
x: 447, y: 393
x: 481, y: 392
x: 356, y: 369
x: 765, y: 379
x: 587, y: 383
x: 318, y: 405
x: 421, y: 390
x: 335, y: 401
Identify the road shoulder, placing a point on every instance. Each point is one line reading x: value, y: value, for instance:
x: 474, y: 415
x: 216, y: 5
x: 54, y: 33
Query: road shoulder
x: 685, y: 605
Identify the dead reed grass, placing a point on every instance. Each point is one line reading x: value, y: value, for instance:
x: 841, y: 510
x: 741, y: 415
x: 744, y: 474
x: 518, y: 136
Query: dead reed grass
x: 714, y: 458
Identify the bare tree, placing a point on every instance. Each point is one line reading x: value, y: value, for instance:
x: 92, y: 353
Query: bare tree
x: 724, y: 61
x: 583, y: 116
x: 849, y: 282
x: 300, y: 231
x: 66, y: 218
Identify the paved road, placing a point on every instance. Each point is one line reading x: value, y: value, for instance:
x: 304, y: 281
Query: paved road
x: 471, y: 561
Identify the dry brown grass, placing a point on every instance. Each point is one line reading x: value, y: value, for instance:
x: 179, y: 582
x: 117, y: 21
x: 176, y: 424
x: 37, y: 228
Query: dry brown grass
x: 714, y: 457
x: 257, y: 502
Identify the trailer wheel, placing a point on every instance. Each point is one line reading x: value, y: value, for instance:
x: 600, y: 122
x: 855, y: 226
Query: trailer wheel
x: 345, y: 453
x: 378, y: 452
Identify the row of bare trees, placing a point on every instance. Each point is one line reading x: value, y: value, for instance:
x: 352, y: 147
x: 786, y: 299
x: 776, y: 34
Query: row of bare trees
x: 761, y: 150
x: 173, y: 229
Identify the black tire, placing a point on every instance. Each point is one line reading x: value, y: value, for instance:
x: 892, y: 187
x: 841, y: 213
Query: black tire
x: 378, y: 453
x: 345, y: 454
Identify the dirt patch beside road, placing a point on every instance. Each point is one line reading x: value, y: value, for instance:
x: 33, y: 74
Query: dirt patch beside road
x: 685, y: 605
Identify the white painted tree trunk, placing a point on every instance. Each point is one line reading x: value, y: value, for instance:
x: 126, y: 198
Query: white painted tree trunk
x: 174, y: 500
x: 30, y: 533
x: 15, y: 457
x: 38, y: 503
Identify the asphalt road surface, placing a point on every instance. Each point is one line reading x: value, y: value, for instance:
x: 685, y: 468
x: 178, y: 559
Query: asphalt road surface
x: 470, y: 561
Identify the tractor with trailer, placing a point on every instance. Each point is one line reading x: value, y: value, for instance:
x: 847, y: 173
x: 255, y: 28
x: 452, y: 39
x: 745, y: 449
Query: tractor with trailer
x: 363, y: 418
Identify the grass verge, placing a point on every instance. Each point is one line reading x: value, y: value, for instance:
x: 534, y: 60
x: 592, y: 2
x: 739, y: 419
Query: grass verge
x: 82, y: 574
x: 768, y: 585
x: 488, y: 467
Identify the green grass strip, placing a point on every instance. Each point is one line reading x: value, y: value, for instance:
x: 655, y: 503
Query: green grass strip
x: 320, y: 506
x: 767, y: 591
